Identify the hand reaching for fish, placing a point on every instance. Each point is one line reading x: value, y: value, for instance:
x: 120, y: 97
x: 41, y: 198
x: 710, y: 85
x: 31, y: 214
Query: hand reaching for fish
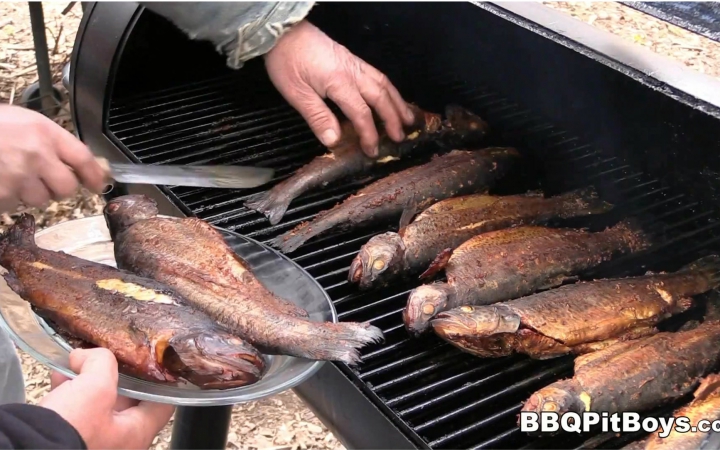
x: 307, y: 66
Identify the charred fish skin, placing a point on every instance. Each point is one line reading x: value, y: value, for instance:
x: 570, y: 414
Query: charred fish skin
x: 149, y: 328
x: 347, y: 158
x: 191, y: 256
x: 221, y: 263
x: 636, y: 375
x: 705, y: 406
x: 447, y: 224
x: 514, y: 262
x: 577, y: 318
x: 455, y: 173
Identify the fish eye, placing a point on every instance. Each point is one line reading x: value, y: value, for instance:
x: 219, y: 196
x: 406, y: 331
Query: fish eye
x: 378, y: 264
x: 428, y: 309
x: 113, y: 207
x: 467, y: 309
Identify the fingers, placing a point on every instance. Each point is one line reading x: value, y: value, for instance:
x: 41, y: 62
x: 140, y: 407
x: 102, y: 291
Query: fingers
x: 145, y: 421
x: 316, y: 113
x: 78, y: 157
x: 382, y: 96
x: 59, y: 180
x: 123, y: 403
x: 33, y: 192
x: 56, y: 379
x: 348, y: 98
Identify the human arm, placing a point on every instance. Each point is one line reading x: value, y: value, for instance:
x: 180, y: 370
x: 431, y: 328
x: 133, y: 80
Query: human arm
x: 304, y: 64
x: 29, y: 427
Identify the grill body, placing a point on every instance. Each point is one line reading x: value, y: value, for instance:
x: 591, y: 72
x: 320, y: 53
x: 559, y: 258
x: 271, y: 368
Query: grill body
x: 582, y: 107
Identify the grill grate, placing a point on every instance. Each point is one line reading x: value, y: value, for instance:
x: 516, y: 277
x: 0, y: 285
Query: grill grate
x: 448, y: 398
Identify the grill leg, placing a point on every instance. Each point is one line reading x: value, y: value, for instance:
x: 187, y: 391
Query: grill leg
x: 203, y: 427
x: 37, y: 22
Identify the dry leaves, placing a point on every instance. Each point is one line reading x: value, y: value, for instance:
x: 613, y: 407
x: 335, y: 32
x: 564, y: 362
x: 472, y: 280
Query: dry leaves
x: 283, y: 422
x: 695, y: 51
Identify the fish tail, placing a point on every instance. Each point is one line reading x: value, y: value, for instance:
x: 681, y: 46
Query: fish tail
x: 708, y: 266
x: 273, y: 204
x: 632, y: 233
x: 584, y: 200
x: 342, y: 342
x: 21, y: 233
x: 293, y: 239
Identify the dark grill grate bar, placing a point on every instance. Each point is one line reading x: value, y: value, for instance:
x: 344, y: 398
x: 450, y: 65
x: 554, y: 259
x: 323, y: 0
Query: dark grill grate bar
x: 450, y: 398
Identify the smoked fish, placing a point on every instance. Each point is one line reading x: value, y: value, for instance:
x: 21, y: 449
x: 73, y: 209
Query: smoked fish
x: 347, y: 158
x: 577, y: 318
x: 447, y: 224
x: 514, y: 262
x: 704, y: 406
x: 192, y: 257
x: 402, y: 193
x: 634, y: 375
x: 150, y: 328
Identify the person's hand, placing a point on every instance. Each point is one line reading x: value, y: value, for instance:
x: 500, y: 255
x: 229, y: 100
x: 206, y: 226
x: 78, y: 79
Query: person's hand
x: 39, y: 160
x: 90, y: 403
x: 307, y: 66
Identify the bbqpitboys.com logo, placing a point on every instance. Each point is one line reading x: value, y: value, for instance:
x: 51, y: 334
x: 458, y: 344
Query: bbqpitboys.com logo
x: 627, y: 422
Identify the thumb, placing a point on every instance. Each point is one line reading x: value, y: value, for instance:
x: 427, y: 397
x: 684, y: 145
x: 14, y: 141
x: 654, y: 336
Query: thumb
x: 96, y: 363
x: 316, y: 113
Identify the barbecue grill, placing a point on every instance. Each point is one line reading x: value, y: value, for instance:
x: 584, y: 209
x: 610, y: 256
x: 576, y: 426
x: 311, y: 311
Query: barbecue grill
x: 582, y: 107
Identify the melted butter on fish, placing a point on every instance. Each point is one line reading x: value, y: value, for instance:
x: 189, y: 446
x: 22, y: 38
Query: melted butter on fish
x: 387, y: 159
x: 131, y: 290
x: 134, y: 291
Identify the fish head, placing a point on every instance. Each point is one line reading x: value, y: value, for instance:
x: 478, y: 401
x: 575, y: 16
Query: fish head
x: 476, y: 321
x: 212, y: 360
x: 379, y: 260
x: 424, y: 303
x: 122, y: 212
x: 558, y: 399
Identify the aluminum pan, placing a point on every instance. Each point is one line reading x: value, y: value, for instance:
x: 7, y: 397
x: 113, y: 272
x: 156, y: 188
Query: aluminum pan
x: 89, y: 238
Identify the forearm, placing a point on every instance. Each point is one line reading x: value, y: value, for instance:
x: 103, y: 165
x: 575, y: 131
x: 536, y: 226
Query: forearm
x: 239, y: 30
x: 34, y: 427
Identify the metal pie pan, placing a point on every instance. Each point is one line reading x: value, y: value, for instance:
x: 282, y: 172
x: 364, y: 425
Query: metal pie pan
x: 88, y: 238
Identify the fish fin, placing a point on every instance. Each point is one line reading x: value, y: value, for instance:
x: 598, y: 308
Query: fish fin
x: 583, y: 200
x: 557, y: 281
x: 13, y: 282
x: 270, y: 203
x: 408, y: 212
x: 708, y: 386
x: 709, y: 266
x: 438, y: 264
x: 20, y: 233
x: 343, y: 341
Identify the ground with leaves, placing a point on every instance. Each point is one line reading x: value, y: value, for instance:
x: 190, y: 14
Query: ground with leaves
x: 283, y: 422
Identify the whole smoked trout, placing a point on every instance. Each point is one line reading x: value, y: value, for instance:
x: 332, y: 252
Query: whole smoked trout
x: 455, y: 173
x: 191, y: 256
x: 635, y: 375
x: 705, y: 406
x: 150, y: 329
x: 514, y: 262
x: 577, y: 318
x: 347, y: 158
x: 447, y: 224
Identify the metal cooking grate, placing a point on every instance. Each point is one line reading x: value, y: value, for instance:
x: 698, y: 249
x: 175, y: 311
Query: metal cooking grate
x: 449, y: 399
